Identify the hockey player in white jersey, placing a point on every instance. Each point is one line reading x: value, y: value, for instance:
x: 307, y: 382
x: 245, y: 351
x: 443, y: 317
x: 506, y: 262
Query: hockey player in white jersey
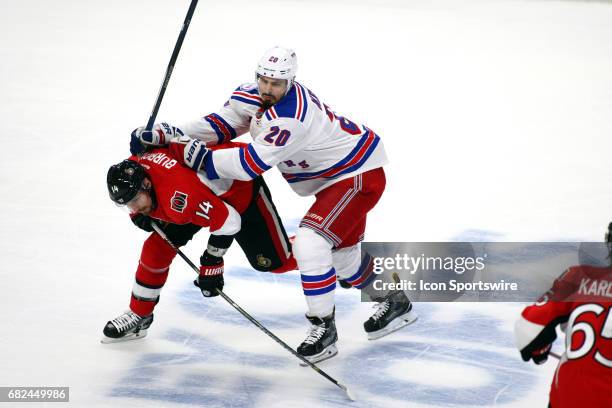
x: 319, y: 153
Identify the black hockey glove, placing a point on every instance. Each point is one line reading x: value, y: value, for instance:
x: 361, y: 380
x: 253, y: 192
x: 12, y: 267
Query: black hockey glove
x: 539, y: 356
x: 142, y: 221
x: 211, y: 275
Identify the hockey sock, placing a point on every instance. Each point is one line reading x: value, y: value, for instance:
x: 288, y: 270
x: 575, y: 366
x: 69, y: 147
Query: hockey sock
x: 314, y: 258
x: 151, y: 275
x: 364, y: 275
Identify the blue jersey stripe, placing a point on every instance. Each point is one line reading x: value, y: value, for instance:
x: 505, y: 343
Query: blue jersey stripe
x: 287, y: 106
x: 220, y: 134
x: 246, y: 166
x: 341, y: 162
x: 305, y: 107
x: 229, y: 127
x: 345, y: 171
x: 209, y: 166
x: 231, y: 130
x: 245, y: 100
x: 360, y: 163
x: 257, y: 159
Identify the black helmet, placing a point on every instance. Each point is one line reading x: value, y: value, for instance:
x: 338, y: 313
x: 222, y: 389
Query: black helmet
x: 124, y: 180
x: 609, y: 241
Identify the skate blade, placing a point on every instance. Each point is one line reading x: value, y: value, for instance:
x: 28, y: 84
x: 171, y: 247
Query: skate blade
x: 133, y: 336
x: 326, y: 354
x: 395, y: 325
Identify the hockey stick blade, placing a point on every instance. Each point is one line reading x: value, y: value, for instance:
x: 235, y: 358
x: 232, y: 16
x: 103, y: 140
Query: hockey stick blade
x: 243, y: 312
x: 349, y: 393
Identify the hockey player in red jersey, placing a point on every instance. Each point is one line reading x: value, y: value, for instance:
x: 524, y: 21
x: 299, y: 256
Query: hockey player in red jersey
x: 579, y: 301
x: 155, y: 188
x: 320, y: 154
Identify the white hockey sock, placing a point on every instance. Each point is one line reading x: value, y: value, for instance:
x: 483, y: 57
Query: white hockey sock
x: 347, y: 260
x: 314, y: 258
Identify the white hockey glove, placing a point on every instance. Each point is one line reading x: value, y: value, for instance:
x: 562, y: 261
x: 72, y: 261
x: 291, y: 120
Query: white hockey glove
x: 160, y: 135
x: 192, y: 152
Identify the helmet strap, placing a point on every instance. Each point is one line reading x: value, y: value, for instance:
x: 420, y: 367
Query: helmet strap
x: 290, y: 83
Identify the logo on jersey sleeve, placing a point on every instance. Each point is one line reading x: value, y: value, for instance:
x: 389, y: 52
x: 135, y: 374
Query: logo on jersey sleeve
x: 178, y: 202
x: 248, y: 86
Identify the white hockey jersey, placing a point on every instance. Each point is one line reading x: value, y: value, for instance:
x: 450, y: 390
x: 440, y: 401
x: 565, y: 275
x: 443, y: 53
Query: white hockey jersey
x: 311, y: 145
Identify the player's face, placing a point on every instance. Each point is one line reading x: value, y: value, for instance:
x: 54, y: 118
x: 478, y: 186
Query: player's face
x: 142, y: 202
x: 271, y: 90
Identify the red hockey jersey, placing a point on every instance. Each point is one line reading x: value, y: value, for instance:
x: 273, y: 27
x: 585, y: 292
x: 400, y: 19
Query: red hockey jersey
x: 580, y: 300
x: 184, y: 196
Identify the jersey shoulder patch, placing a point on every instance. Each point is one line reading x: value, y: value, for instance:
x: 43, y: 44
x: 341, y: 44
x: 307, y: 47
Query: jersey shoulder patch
x: 250, y: 87
x: 247, y: 93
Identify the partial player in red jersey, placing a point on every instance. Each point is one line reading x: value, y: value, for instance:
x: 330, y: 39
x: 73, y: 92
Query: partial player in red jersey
x: 580, y: 301
x: 155, y: 188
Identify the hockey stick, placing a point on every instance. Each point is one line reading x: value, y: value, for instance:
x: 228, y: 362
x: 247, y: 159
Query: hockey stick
x: 170, y: 68
x: 555, y: 355
x: 349, y: 394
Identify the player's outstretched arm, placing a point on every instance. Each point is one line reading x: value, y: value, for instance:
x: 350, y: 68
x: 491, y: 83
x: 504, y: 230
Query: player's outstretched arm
x: 282, y: 140
x: 229, y: 122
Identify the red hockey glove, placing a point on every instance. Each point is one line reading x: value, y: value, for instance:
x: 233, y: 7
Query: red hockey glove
x: 211, y: 275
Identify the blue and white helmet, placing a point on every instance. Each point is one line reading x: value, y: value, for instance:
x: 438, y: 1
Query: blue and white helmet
x: 278, y: 63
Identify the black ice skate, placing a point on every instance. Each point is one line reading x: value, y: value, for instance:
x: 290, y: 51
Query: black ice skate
x: 393, y: 313
x: 128, y: 326
x: 320, y: 343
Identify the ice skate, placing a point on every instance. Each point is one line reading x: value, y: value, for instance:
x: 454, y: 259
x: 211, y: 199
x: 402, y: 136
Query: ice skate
x: 393, y: 313
x: 320, y: 343
x: 128, y: 326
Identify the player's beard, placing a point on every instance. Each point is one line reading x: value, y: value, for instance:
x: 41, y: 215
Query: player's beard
x: 267, y: 103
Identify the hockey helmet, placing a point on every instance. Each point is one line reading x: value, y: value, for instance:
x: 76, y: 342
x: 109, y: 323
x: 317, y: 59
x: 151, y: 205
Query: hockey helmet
x: 609, y: 240
x: 124, y: 181
x: 278, y: 63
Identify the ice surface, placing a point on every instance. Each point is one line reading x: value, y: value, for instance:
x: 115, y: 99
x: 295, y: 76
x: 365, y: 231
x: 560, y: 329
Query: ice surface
x: 496, y: 118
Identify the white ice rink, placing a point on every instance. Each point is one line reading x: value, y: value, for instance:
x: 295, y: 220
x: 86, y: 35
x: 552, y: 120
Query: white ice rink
x: 497, y: 119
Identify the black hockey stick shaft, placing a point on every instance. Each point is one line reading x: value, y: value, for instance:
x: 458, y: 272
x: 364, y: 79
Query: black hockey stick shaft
x: 170, y: 68
x: 251, y: 318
